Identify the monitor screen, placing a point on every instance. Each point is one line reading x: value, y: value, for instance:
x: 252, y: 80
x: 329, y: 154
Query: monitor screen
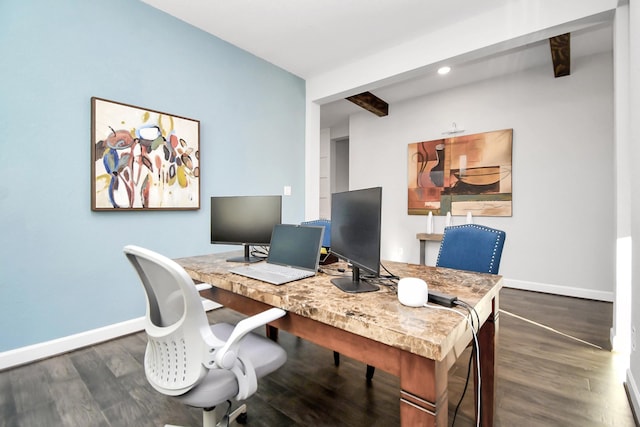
x: 356, y: 224
x: 244, y: 220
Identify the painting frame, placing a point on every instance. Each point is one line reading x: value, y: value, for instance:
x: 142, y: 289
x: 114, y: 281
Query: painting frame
x: 143, y: 159
x: 461, y: 174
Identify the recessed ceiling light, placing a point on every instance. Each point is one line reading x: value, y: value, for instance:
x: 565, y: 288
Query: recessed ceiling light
x: 444, y: 70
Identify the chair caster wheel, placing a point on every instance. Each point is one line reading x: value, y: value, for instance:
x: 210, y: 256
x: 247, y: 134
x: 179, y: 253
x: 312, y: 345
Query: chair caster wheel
x: 242, y: 418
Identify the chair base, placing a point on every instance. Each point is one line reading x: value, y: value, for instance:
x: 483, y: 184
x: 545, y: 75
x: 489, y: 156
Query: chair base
x: 239, y: 415
x: 216, y: 417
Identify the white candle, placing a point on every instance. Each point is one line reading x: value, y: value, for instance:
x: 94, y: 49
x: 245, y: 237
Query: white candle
x: 430, y: 223
x: 448, y: 220
x: 469, y: 218
x: 463, y: 164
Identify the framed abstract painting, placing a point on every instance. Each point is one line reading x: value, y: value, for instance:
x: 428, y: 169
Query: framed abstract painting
x: 142, y: 159
x: 461, y: 174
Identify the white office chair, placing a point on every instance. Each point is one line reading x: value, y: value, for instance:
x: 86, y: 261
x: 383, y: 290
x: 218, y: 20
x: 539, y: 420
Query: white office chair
x: 199, y: 364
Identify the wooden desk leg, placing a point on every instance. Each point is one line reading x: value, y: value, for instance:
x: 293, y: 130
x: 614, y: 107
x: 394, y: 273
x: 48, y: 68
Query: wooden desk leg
x: 423, y: 252
x: 272, y: 333
x: 488, y: 341
x: 423, y: 392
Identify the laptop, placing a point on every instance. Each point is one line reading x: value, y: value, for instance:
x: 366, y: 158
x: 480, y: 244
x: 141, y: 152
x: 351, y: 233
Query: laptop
x: 294, y: 254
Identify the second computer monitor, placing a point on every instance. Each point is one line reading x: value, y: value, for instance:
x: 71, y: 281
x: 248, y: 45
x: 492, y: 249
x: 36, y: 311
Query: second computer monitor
x: 356, y: 228
x: 244, y: 220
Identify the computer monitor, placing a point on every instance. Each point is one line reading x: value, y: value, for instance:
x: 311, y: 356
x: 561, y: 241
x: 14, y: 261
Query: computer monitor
x: 356, y: 224
x: 244, y: 220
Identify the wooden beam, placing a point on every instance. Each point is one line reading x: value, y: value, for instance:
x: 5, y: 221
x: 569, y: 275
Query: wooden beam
x: 371, y: 103
x: 561, y: 54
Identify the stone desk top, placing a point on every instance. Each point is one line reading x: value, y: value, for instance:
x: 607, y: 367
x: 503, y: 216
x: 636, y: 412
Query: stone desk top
x: 377, y: 315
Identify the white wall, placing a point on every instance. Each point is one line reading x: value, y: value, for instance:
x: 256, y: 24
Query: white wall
x: 633, y: 374
x: 325, y: 174
x: 561, y: 237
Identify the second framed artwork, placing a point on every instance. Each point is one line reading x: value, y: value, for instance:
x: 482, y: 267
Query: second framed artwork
x: 461, y: 174
x: 142, y: 159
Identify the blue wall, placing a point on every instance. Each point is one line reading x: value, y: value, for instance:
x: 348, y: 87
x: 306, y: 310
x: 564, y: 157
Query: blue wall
x: 61, y: 265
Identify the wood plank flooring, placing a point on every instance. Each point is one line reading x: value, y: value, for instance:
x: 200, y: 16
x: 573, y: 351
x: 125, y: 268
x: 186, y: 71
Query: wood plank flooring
x: 543, y: 379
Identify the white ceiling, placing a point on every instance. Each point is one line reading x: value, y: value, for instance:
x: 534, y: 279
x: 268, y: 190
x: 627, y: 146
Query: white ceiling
x: 308, y: 38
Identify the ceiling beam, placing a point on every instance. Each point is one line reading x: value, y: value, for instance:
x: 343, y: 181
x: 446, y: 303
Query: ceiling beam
x: 561, y: 54
x: 371, y: 103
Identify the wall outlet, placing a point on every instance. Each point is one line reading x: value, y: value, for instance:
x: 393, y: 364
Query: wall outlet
x: 287, y: 190
x: 633, y: 338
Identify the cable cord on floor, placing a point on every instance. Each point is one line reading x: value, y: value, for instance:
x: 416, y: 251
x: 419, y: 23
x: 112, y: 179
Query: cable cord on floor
x: 468, y: 318
x: 548, y: 328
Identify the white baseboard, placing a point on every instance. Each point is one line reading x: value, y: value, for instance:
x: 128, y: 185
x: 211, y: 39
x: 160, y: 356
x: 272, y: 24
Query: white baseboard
x: 32, y: 353
x: 632, y: 389
x: 559, y: 290
x: 23, y: 355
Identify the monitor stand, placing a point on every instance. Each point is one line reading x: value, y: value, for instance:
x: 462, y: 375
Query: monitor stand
x: 247, y: 258
x: 353, y: 284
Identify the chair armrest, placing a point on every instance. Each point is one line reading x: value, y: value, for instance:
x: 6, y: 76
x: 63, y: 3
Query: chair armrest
x: 225, y: 357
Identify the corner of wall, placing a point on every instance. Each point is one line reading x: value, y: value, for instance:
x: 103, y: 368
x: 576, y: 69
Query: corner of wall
x: 634, y: 396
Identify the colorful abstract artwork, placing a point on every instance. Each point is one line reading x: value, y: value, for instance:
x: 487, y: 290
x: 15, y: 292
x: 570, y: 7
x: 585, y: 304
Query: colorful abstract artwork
x: 461, y: 174
x: 143, y: 159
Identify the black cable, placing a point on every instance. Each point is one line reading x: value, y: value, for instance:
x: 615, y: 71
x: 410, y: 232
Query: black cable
x: 471, y: 311
x: 391, y: 275
x: 263, y: 252
x: 386, y: 281
x: 466, y: 383
x: 464, y: 390
x: 225, y: 418
x: 332, y: 271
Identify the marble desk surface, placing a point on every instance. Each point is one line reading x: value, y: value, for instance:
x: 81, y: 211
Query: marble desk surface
x: 428, y: 332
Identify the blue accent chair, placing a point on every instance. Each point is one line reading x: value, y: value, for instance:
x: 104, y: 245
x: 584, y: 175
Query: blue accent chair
x: 471, y: 247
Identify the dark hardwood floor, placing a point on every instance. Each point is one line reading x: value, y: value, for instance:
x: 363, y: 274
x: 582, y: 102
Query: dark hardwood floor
x: 543, y: 379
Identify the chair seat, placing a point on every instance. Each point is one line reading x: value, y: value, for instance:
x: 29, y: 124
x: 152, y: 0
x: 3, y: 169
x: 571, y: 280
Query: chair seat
x: 220, y: 385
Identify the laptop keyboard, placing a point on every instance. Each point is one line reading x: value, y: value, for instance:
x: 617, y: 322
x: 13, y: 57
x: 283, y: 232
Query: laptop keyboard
x: 272, y: 272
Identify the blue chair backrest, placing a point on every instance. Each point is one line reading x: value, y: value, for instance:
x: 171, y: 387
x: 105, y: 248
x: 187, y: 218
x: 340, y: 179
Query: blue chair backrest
x: 471, y: 247
x: 326, y: 239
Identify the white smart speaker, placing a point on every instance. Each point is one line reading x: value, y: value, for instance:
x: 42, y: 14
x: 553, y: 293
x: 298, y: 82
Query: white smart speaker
x: 413, y: 292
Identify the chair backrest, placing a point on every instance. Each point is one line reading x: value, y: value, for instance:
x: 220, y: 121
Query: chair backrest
x: 176, y: 323
x: 471, y: 247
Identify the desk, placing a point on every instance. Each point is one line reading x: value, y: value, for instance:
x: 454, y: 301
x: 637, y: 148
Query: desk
x: 418, y: 345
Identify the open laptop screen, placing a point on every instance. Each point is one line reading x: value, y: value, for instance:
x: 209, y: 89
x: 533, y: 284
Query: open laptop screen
x: 296, y: 246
